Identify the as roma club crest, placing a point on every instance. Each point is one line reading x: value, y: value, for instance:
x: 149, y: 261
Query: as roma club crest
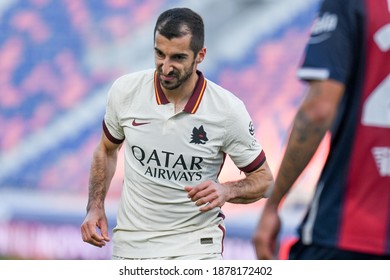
x: 199, y: 135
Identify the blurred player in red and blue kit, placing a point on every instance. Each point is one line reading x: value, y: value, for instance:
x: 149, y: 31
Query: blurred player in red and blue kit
x: 347, y: 68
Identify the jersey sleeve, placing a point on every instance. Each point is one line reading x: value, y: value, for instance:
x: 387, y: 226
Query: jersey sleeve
x: 111, y: 123
x: 241, y: 143
x: 330, y: 50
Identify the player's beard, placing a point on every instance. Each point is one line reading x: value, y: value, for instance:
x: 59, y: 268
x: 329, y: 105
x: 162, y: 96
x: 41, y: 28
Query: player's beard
x: 179, y: 79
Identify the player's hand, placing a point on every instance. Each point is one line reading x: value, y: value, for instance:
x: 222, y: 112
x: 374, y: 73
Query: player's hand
x: 95, y: 218
x: 208, y: 194
x: 265, y: 237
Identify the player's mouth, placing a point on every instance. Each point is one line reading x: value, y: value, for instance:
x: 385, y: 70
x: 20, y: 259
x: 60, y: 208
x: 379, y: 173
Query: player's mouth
x: 167, y: 78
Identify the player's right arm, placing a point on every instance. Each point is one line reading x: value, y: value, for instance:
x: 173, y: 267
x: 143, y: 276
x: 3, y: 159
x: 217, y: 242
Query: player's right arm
x: 102, y: 171
x: 313, y: 119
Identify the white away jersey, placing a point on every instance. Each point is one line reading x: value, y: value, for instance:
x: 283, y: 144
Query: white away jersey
x: 164, y: 152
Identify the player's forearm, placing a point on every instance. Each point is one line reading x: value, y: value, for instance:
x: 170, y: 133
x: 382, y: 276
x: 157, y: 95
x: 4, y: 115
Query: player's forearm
x: 252, y: 188
x: 101, y: 173
x: 314, y: 118
x: 304, y: 140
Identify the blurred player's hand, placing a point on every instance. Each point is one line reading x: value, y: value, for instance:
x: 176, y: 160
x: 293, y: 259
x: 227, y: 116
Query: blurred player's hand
x: 265, y: 237
x: 96, y: 218
x: 209, y: 194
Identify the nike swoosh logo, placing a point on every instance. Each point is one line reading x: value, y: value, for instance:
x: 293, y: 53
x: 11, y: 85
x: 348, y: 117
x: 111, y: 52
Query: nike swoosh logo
x: 134, y: 123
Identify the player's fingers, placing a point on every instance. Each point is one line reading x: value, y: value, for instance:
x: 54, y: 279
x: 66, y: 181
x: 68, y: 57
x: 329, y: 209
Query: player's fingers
x: 192, y: 191
x: 104, y: 230
x: 208, y: 206
x: 208, y: 192
x: 265, y: 253
x: 212, y: 201
x: 265, y: 245
x: 205, y: 197
x: 90, y: 235
x: 86, y: 232
x: 97, y: 240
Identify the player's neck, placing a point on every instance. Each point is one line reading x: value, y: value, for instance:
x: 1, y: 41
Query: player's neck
x: 180, y: 96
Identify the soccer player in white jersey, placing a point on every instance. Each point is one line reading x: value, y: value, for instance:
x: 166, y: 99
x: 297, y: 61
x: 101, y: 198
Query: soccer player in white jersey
x: 176, y: 127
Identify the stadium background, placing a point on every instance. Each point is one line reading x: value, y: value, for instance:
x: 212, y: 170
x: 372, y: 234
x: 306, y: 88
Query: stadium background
x: 57, y: 60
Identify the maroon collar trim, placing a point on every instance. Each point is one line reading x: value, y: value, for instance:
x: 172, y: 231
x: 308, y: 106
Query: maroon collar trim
x: 195, y: 99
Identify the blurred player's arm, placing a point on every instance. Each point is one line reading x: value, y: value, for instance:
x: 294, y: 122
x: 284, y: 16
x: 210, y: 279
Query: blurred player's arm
x: 253, y: 187
x: 102, y: 171
x: 314, y: 118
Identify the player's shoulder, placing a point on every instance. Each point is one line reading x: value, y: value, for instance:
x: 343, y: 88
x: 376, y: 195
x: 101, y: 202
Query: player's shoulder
x: 223, y: 95
x: 126, y: 87
x: 134, y: 79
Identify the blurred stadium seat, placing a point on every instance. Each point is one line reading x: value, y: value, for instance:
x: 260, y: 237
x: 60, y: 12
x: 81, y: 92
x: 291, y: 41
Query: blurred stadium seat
x: 57, y: 60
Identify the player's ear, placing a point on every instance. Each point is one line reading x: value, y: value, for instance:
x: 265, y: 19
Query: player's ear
x: 201, y: 55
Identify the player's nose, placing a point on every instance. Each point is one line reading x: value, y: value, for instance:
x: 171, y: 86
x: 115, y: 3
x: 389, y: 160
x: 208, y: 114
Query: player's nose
x: 166, y: 67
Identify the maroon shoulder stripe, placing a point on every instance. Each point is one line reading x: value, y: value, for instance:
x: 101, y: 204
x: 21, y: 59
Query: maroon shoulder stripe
x: 109, y: 136
x: 255, y: 164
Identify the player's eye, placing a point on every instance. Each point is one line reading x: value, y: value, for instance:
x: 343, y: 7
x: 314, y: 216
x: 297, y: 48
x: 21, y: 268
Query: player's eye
x: 159, y: 53
x: 179, y: 57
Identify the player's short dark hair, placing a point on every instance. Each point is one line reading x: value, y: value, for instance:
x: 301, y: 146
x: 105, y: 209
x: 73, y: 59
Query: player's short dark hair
x: 178, y: 22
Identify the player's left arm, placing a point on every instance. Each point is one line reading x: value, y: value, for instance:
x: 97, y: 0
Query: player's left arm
x: 241, y: 145
x: 253, y: 187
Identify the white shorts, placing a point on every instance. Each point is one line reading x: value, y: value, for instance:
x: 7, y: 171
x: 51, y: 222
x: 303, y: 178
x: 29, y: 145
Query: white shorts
x: 210, y: 256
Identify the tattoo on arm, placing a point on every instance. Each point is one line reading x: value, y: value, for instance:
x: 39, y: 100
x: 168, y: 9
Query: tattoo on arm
x: 304, y: 140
